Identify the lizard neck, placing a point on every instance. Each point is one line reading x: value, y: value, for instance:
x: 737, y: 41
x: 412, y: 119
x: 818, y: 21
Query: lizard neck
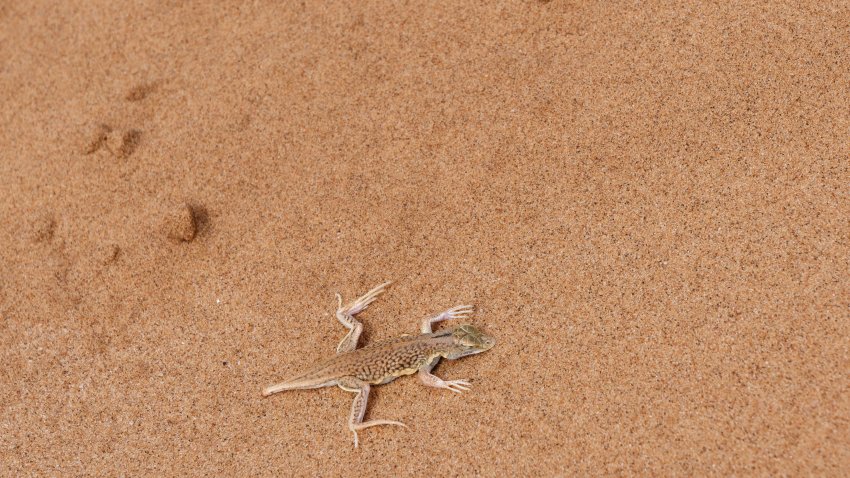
x: 442, y: 343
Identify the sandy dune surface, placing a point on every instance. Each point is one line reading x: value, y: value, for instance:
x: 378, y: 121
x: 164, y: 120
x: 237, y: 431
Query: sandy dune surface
x: 648, y: 202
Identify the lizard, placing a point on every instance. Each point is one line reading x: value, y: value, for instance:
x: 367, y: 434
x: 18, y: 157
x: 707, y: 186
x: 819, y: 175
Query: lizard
x: 358, y: 369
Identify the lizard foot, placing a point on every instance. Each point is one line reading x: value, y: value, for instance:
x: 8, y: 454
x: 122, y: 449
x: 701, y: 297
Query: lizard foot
x: 371, y: 423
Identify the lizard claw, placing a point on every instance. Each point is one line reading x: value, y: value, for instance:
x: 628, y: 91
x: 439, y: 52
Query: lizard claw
x: 361, y: 302
x: 457, y: 386
x: 459, y: 312
x: 371, y: 423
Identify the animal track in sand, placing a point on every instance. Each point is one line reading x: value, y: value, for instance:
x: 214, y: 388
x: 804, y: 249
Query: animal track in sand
x: 120, y: 143
x: 185, y: 221
x: 141, y: 91
x: 43, y: 228
x: 129, y: 142
x: 107, y: 253
x: 98, y: 138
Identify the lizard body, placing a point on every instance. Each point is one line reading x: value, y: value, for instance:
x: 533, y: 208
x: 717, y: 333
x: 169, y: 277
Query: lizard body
x: 355, y: 370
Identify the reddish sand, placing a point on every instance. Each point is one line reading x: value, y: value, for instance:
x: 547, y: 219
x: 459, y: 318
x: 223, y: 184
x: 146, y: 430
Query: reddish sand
x: 649, y: 204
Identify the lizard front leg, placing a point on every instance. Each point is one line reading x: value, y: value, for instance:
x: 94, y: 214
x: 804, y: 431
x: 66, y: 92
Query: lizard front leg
x: 346, y: 314
x: 358, y: 408
x: 458, y: 312
x: 430, y: 380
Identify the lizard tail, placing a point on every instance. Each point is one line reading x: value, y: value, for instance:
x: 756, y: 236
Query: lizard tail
x: 297, y: 384
x: 276, y: 388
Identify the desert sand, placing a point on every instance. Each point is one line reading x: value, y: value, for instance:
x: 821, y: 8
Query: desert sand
x: 649, y: 203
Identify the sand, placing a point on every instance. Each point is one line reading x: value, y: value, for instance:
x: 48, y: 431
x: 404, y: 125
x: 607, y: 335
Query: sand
x: 648, y: 203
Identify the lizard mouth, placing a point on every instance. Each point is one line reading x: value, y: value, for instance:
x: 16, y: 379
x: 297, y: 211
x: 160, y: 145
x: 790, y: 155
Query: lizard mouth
x: 481, y: 345
x: 487, y: 342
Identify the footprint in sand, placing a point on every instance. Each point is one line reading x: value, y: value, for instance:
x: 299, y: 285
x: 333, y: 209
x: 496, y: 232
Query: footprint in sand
x: 185, y: 221
x: 120, y: 143
x: 141, y: 91
x: 43, y: 228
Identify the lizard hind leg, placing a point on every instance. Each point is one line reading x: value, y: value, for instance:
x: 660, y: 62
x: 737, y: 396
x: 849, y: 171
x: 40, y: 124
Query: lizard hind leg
x: 363, y: 301
x: 358, y: 408
x: 345, y: 315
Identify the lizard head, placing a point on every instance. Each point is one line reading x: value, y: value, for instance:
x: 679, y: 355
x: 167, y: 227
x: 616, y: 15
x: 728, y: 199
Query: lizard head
x: 468, y: 340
